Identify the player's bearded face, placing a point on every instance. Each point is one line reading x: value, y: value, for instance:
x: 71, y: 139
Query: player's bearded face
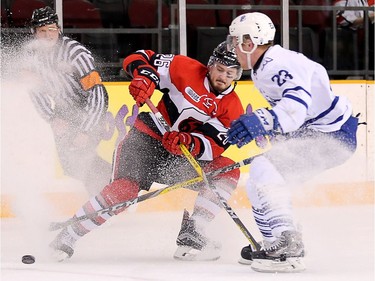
x: 48, y: 34
x: 222, y: 76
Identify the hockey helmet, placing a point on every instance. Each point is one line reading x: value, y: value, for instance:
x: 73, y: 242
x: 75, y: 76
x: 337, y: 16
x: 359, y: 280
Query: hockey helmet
x: 225, y: 57
x: 256, y: 26
x: 43, y: 16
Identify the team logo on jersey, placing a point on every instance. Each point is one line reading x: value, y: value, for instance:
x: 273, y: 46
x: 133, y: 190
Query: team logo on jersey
x: 209, y: 103
x: 223, y: 137
x: 266, y: 61
x: 206, y: 101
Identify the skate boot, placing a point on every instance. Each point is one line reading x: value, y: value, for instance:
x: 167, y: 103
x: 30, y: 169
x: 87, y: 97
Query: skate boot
x: 283, y: 255
x: 193, y: 245
x: 63, y: 246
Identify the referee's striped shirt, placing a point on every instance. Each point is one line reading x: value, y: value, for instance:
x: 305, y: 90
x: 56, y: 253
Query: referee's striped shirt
x: 71, y: 85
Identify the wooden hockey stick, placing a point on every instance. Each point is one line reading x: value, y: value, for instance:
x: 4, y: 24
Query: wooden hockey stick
x: 59, y: 225
x: 255, y: 245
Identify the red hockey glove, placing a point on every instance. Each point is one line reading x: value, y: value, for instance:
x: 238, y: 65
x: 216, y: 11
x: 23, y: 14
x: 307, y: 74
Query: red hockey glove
x: 172, y: 140
x: 143, y: 84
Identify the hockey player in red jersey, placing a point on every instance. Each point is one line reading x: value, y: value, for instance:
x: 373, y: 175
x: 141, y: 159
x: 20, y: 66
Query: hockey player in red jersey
x: 199, y: 104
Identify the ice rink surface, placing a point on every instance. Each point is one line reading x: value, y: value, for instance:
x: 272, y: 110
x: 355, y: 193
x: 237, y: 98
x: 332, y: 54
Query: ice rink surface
x: 140, y: 245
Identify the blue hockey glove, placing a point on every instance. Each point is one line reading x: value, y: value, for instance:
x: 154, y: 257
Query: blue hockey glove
x: 261, y: 122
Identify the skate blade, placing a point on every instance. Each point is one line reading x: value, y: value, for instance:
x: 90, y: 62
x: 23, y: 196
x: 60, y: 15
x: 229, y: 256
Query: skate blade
x: 245, y: 261
x: 59, y: 256
x: 189, y: 254
x: 290, y: 265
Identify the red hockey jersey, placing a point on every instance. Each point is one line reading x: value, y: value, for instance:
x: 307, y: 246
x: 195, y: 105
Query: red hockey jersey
x: 189, y: 104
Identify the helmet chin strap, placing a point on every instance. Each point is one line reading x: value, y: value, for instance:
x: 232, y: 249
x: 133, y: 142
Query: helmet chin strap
x: 248, y: 61
x: 248, y: 53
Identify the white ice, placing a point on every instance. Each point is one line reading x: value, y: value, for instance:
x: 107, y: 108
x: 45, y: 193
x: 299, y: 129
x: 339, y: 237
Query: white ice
x: 139, y: 246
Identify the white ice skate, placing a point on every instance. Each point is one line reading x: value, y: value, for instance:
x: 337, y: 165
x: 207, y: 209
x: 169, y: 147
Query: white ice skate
x: 283, y: 255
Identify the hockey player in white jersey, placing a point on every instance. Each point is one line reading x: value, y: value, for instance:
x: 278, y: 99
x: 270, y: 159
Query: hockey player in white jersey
x: 309, y: 127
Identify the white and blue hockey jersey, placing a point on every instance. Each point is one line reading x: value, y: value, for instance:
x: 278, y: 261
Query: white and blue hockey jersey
x: 299, y: 91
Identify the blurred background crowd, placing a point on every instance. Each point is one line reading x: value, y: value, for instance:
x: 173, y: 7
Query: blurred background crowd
x: 336, y: 33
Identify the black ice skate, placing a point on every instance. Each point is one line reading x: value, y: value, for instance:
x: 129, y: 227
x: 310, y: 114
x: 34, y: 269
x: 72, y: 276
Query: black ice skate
x: 63, y: 246
x: 283, y: 255
x: 193, y: 245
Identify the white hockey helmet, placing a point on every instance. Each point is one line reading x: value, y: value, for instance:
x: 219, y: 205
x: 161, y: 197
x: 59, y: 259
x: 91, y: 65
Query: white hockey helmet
x: 258, y: 26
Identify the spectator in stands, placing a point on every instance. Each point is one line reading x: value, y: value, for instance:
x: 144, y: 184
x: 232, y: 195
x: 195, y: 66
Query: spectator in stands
x: 354, y: 20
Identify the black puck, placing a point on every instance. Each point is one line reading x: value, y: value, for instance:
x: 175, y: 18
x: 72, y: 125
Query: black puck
x: 28, y: 259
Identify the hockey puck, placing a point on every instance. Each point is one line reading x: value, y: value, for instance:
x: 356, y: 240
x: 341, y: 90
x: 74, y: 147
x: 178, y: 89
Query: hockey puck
x: 28, y: 259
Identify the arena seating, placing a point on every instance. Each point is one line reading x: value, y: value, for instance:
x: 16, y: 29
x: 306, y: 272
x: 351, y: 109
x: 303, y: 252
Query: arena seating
x: 81, y: 14
x: 144, y: 13
x: 225, y: 17
x: 21, y: 11
x: 347, y: 51
x: 114, y: 13
x: 84, y: 14
x: 207, y: 39
x: 275, y: 15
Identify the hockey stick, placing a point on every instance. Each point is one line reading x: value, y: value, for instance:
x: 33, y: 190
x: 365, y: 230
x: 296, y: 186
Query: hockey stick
x: 255, y: 245
x: 59, y: 225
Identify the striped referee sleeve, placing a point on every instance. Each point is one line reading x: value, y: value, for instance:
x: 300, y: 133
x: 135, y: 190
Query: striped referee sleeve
x: 91, y: 83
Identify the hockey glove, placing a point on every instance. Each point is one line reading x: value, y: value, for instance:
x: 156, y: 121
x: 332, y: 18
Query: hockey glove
x: 260, y: 123
x: 143, y: 84
x: 172, y: 140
